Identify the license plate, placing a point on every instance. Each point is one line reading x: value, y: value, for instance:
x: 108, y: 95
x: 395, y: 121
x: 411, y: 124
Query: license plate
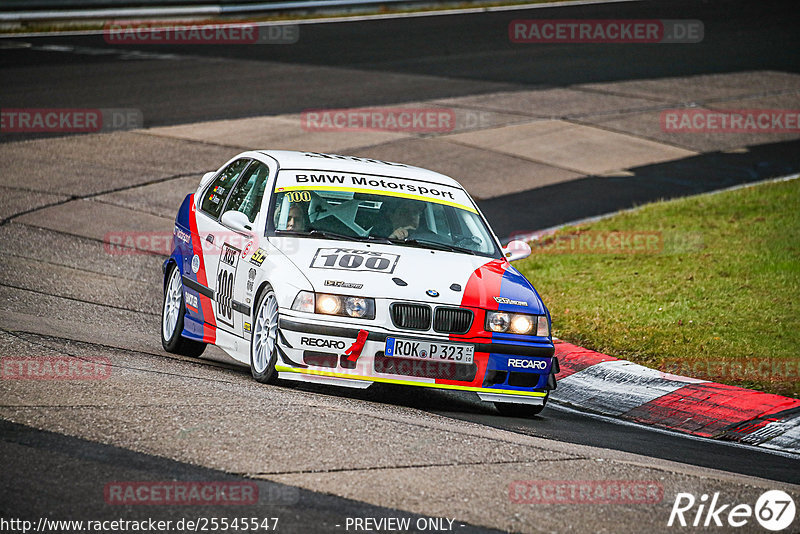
x: 426, y: 350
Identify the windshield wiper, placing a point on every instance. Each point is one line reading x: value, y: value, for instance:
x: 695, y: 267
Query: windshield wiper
x: 326, y: 234
x: 422, y: 243
x: 316, y: 233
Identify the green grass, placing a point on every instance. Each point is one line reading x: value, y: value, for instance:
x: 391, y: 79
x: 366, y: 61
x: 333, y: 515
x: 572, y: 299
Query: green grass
x: 722, y: 287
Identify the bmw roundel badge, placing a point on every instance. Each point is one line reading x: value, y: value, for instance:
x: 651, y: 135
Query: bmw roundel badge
x: 432, y: 293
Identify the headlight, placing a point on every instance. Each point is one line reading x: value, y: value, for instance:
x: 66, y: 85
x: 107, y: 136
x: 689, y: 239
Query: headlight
x: 543, y: 326
x: 304, y: 301
x: 522, y: 324
x: 329, y: 304
x: 356, y: 306
x: 326, y: 304
x: 497, y: 321
x: 517, y: 323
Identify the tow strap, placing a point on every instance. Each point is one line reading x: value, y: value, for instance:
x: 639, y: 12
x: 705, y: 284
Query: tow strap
x: 355, y: 349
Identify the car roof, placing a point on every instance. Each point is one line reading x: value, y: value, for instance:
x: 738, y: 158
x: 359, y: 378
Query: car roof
x: 289, y: 159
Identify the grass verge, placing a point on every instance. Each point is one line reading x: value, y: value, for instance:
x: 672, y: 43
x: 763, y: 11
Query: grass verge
x: 706, y: 286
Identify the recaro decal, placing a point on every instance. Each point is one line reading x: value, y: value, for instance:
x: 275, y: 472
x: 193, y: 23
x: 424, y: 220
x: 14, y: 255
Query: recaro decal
x: 525, y: 363
x: 323, y: 343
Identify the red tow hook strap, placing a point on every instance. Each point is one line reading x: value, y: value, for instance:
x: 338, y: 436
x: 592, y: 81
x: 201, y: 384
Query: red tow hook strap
x: 355, y: 349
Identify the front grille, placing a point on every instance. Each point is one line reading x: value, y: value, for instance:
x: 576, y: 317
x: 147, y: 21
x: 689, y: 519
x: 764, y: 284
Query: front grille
x: 452, y: 320
x: 425, y: 368
x: 411, y: 316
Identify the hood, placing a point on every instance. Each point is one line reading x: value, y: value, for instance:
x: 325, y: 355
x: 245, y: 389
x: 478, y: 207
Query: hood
x: 409, y: 273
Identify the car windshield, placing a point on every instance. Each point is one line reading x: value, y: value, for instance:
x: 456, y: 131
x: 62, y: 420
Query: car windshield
x: 354, y: 215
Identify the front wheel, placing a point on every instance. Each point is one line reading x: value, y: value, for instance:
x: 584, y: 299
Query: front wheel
x: 511, y: 409
x: 172, y: 313
x: 264, y: 338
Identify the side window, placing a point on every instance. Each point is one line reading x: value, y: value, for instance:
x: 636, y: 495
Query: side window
x: 248, y: 192
x: 217, y: 192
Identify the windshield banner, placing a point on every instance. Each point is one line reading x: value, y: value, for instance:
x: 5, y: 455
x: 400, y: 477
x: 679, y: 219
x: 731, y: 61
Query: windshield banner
x: 313, y: 180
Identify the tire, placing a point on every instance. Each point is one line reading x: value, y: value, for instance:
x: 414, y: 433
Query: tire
x: 264, y: 338
x: 172, y: 312
x: 510, y: 409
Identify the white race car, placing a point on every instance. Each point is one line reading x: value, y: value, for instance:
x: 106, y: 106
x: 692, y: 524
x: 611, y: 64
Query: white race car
x: 349, y: 271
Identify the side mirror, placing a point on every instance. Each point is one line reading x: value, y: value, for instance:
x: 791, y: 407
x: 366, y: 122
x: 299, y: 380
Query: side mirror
x: 516, y: 250
x: 206, y: 179
x: 238, y: 221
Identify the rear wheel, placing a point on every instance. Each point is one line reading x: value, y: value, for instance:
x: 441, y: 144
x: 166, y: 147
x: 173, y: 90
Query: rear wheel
x: 264, y: 338
x: 172, y: 313
x: 511, y: 409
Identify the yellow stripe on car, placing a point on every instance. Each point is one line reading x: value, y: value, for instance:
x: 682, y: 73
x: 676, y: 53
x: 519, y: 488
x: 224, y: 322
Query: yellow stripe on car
x: 375, y: 192
x: 286, y: 369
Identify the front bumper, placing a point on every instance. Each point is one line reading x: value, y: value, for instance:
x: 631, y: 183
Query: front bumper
x: 500, y: 368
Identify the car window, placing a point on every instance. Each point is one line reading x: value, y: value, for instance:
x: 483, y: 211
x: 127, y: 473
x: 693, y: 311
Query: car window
x: 248, y: 192
x: 361, y: 216
x: 214, y: 197
x: 436, y: 219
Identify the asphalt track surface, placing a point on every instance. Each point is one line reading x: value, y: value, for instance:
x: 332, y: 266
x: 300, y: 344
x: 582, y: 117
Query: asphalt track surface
x: 380, y: 62
x: 389, y: 62
x: 45, y: 460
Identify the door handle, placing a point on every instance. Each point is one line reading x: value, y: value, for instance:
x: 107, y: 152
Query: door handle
x: 210, y: 238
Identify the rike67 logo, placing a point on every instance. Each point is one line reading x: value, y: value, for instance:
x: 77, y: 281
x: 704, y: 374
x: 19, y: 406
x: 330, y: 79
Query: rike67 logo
x: 774, y: 511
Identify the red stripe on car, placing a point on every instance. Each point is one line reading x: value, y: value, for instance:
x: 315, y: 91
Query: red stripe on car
x: 209, y: 323
x: 483, y: 285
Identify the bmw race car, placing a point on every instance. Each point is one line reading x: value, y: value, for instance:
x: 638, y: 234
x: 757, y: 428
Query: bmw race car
x: 350, y: 271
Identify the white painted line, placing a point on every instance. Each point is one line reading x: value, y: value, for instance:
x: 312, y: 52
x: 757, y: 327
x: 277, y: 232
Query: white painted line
x: 787, y: 438
x: 616, y: 387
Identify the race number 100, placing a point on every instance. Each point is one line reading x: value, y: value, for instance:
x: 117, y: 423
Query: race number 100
x: 354, y: 260
x: 299, y: 196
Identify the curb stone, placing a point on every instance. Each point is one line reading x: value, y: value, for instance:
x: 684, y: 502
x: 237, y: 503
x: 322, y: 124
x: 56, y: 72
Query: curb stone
x: 600, y: 383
